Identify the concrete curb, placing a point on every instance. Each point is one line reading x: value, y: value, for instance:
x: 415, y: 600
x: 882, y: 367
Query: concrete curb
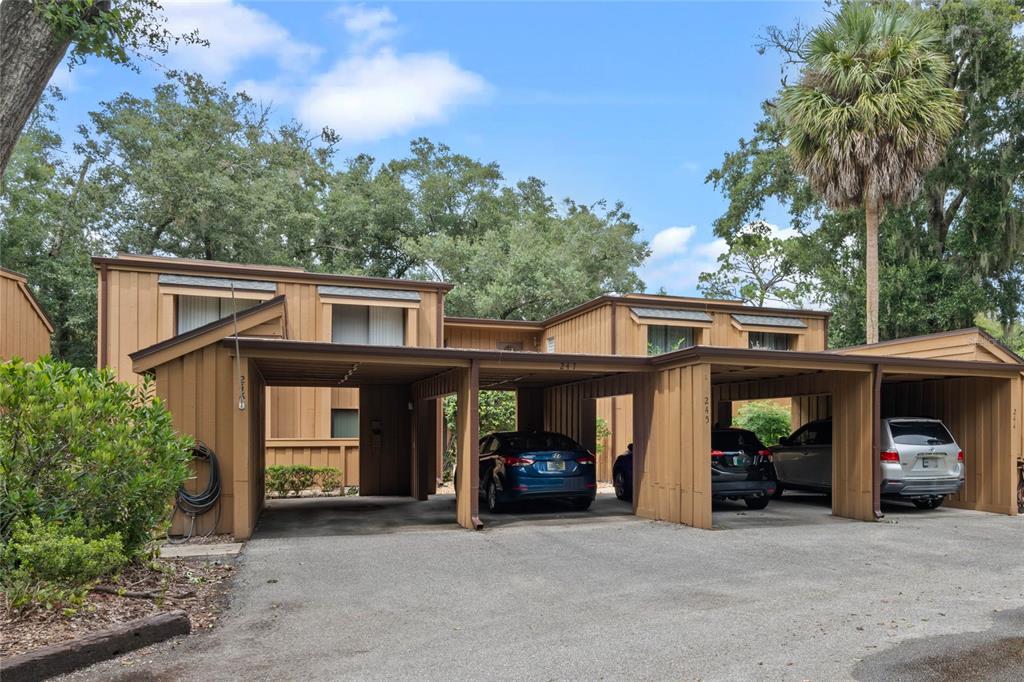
x: 58, y: 659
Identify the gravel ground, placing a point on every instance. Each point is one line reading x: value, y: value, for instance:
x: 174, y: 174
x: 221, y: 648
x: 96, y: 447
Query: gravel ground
x: 789, y: 593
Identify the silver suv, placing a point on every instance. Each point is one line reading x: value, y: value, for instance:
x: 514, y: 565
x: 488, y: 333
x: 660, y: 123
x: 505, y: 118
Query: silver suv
x: 919, y: 460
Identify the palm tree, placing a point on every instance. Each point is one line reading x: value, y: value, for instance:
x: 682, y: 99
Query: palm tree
x: 871, y: 114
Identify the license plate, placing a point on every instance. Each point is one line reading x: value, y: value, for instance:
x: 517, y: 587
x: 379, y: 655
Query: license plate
x: 556, y: 466
x: 930, y: 462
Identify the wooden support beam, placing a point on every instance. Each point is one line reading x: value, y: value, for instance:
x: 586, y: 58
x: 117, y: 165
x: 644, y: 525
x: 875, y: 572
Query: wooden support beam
x: 468, y: 447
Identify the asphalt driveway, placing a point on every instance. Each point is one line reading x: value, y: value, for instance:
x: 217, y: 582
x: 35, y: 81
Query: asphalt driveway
x: 388, y: 590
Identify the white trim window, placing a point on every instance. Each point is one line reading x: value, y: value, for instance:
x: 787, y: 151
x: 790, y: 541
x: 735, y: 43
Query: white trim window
x: 551, y: 344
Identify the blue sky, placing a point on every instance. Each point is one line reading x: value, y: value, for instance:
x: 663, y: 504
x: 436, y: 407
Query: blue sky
x: 620, y: 101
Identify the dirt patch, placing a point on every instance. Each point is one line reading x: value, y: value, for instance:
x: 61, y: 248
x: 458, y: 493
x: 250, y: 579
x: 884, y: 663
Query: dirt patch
x: 196, y: 587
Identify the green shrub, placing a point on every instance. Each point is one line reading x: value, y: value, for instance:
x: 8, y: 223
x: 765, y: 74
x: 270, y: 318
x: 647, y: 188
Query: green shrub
x: 769, y: 420
x: 603, y: 431
x: 329, y: 479
x: 277, y: 479
x: 285, y: 479
x: 76, y: 446
x: 52, y: 564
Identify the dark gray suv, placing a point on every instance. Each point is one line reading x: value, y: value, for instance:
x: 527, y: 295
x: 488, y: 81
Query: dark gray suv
x: 918, y: 460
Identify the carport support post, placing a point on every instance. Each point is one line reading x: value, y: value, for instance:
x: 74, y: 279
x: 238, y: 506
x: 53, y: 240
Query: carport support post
x: 467, y: 426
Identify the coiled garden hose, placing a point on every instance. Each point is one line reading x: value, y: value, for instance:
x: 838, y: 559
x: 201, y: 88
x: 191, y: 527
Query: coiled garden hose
x: 193, y: 505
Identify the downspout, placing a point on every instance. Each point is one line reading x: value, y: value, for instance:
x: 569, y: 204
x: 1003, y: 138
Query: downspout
x: 104, y: 327
x: 876, y: 418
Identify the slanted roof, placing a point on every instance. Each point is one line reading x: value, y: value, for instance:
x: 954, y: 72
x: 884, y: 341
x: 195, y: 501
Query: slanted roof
x: 368, y: 292
x: 217, y: 283
x: 22, y: 283
x: 247, y: 320
x: 769, y: 321
x: 970, y: 343
x: 670, y: 314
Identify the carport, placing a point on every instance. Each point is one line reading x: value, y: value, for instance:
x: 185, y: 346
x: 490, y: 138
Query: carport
x: 213, y: 380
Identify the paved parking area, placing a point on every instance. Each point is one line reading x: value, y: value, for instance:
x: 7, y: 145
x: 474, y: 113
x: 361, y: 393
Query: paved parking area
x: 375, y: 589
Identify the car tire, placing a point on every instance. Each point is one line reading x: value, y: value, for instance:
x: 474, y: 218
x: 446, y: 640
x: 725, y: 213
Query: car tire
x: 619, y: 480
x: 929, y: 502
x: 757, y: 502
x: 494, y: 505
x: 581, y: 503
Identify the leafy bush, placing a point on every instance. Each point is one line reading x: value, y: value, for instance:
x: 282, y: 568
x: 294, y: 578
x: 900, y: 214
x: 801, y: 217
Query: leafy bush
x: 769, y: 420
x: 329, y: 479
x: 603, y: 431
x: 285, y: 479
x: 51, y: 564
x: 276, y: 479
x: 497, y: 413
x: 82, y: 450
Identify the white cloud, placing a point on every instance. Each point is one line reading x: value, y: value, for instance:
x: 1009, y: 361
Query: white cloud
x: 671, y: 241
x: 236, y: 33
x: 374, y: 91
x: 367, y: 26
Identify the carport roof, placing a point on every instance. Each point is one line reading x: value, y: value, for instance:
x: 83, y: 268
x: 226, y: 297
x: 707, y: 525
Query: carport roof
x: 307, y: 363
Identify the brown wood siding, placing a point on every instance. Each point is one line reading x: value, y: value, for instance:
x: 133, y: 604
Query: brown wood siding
x: 807, y: 408
x: 583, y: 333
x: 488, y: 338
x: 23, y: 333
x: 199, y: 389
x: 675, y: 484
x: 983, y: 416
x: 384, y: 440
x: 853, y: 459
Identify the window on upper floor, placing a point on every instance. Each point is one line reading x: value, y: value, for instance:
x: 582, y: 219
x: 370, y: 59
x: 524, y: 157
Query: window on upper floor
x: 551, y: 344
x: 769, y: 341
x: 195, y: 311
x: 344, y: 423
x: 665, y: 339
x: 368, y: 325
x: 509, y: 345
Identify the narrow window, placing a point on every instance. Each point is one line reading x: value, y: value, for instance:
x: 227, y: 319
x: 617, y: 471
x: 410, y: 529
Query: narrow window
x: 344, y: 423
x: 769, y: 341
x: 551, y: 344
x: 510, y: 345
x: 665, y: 339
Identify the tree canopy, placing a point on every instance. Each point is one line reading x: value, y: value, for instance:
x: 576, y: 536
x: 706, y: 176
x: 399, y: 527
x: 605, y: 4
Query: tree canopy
x: 954, y: 251
x: 197, y: 171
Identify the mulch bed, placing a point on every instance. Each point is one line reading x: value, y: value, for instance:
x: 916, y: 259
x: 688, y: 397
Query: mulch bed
x: 196, y: 587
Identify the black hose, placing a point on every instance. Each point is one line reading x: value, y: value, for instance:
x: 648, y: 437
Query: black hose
x: 202, y: 502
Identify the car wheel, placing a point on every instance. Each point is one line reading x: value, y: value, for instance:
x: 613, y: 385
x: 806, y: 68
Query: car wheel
x: 581, y: 503
x: 621, y: 492
x: 929, y: 502
x: 493, y: 503
x: 756, y: 502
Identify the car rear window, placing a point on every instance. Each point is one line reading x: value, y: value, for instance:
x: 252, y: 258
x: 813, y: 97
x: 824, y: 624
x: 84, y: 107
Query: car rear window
x: 734, y: 440
x: 529, y: 442
x: 919, y: 433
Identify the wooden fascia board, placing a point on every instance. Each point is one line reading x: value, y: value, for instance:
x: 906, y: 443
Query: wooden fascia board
x: 27, y: 293
x: 216, y: 292
x: 367, y: 301
x: 768, y: 329
x: 224, y: 329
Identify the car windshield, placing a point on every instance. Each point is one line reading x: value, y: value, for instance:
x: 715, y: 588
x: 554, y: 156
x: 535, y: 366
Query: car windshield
x: 734, y: 440
x: 530, y: 442
x: 919, y: 433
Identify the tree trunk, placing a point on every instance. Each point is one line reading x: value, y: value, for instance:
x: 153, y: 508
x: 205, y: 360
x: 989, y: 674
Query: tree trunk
x: 29, y: 53
x: 872, y: 215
